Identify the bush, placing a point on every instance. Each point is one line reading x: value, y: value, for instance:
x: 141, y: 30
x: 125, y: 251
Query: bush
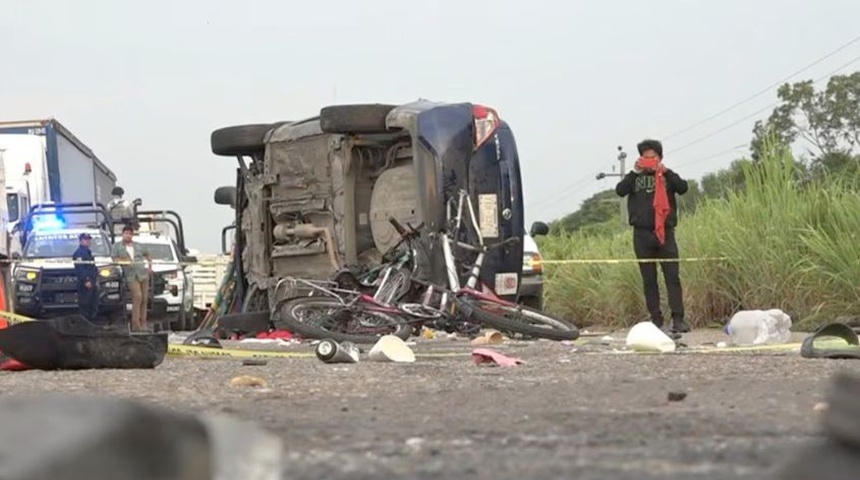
x: 792, y: 245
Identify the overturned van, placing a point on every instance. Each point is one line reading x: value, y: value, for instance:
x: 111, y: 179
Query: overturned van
x: 314, y: 195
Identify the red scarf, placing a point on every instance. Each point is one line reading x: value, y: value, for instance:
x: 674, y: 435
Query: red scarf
x: 661, y: 197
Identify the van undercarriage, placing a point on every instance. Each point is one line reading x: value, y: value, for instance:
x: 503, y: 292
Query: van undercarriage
x: 316, y: 195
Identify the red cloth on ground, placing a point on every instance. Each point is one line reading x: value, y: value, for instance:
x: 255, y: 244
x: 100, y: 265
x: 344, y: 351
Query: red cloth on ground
x: 10, y: 364
x: 284, y: 334
x: 661, y: 196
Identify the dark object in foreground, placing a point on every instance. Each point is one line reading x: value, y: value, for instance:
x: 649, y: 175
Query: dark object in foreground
x: 851, y: 350
x: 201, y: 341
x: 677, y: 396
x: 838, y: 456
x: 73, y: 343
x: 245, y: 323
x: 102, y: 437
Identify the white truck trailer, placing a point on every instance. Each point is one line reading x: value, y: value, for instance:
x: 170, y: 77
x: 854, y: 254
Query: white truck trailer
x: 44, y: 163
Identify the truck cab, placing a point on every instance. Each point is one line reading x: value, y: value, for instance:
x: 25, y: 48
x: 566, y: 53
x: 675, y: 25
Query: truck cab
x: 172, y: 283
x: 316, y: 194
x: 45, y: 281
x: 178, y: 291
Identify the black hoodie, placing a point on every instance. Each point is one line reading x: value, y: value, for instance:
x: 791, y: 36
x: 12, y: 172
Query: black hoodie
x: 639, y: 189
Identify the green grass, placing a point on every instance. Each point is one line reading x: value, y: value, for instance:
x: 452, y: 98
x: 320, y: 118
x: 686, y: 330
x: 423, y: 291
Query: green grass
x: 790, y: 247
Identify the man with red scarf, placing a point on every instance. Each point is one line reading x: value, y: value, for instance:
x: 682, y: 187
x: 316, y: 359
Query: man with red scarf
x: 650, y: 190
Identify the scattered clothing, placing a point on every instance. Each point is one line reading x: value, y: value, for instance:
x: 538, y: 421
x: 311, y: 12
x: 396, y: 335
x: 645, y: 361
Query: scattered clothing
x: 276, y: 334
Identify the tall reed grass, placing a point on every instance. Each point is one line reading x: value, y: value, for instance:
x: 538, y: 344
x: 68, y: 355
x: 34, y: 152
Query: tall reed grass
x: 790, y: 245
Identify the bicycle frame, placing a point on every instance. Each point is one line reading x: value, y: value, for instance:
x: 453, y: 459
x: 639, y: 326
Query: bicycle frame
x: 336, y: 293
x: 455, y: 289
x: 449, y: 240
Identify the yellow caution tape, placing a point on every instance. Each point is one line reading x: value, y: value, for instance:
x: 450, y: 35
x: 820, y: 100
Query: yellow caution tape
x: 208, y: 352
x: 181, y: 350
x: 783, y: 347
x: 595, y: 261
x: 15, y: 318
x: 210, y: 263
x: 106, y: 263
x: 235, y: 353
x: 787, y: 347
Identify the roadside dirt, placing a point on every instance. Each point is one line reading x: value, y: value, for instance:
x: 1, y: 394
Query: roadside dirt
x: 563, y: 414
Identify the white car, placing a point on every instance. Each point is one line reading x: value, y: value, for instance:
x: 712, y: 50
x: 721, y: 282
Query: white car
x: 531, y: 284
x: 179, y: 292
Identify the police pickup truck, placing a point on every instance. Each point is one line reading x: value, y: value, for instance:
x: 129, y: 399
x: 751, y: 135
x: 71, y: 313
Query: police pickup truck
x: 44, y: 277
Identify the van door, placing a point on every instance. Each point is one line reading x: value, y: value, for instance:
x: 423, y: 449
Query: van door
x: 495, y: 185
x: 447, y: 161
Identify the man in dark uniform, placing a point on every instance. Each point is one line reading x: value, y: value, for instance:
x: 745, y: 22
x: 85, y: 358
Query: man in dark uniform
x: 88, y: 286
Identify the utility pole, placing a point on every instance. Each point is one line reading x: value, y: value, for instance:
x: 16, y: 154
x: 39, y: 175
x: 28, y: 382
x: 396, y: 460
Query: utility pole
x: 622, y: 157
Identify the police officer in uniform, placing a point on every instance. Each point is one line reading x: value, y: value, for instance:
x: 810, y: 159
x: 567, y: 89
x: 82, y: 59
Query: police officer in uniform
x: 87, y: 273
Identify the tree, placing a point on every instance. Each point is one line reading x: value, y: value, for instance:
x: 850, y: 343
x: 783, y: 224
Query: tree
x: 598, y: 208
x: 688, y: 202
x: 718, y: 184
x: 828, y: 121
x: 602, y: 211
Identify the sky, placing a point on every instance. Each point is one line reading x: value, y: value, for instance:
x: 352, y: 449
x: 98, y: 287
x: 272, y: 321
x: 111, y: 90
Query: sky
x: 144, y: 83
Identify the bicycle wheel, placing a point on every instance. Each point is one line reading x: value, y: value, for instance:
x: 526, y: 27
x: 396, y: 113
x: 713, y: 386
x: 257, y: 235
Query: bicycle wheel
x: 321, y: 317
x: 395, y: 287
x: 519, y: 320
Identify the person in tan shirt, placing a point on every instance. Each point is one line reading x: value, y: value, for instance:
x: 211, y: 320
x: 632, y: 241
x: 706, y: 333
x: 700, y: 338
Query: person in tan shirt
x: 130, y: 256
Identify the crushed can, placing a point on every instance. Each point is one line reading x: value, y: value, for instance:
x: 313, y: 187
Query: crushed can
x: 330, y: 351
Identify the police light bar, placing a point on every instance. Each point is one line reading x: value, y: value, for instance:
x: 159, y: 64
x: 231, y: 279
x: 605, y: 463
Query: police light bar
x: 47, y: 223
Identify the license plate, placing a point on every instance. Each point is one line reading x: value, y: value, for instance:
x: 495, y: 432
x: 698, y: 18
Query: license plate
x: 488, y: 215
x: 174, y: 308
x: 67, y: 298
x: 506, y: 283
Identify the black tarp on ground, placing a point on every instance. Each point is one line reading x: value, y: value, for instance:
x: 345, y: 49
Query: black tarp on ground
x: 72, y: 342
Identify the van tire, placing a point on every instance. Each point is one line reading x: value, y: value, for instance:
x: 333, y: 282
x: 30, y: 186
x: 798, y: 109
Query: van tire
x: 239, y: 140
x: 358, y: 118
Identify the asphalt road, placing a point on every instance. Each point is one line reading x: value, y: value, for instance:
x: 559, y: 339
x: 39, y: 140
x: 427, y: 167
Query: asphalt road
x: 567, y: 412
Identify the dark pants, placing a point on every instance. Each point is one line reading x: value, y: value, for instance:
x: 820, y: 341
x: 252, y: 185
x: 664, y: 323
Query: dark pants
x: 646, y: 245
x: 88, y: 300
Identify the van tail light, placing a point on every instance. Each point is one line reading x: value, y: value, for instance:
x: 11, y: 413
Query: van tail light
x: 486, y: 123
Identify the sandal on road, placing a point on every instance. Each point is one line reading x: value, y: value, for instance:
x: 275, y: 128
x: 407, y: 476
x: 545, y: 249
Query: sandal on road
x: 821, y: 343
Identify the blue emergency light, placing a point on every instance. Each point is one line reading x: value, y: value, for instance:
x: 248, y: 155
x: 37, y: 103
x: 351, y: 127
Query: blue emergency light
x: 47, y: 223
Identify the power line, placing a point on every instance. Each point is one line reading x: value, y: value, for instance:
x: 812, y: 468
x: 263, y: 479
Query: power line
x: 583, y: 180
x: 714, y: 155
x: 564, y: 191
x: 772, y: 105
x: 767, y: 89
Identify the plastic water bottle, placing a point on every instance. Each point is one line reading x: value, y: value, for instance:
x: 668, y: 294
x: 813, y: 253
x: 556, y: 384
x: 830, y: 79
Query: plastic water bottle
x: 759, y: 327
